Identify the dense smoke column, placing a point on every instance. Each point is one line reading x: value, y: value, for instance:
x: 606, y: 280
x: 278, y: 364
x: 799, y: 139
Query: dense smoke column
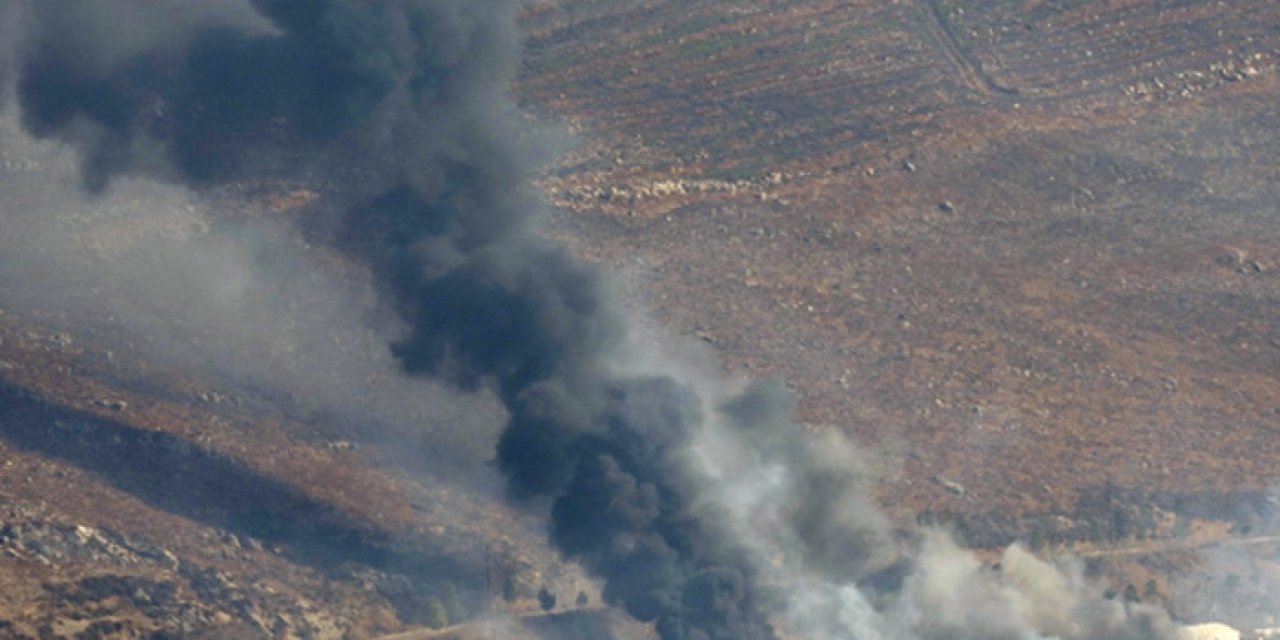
x: 404, y: 105
x: 410, y: 95
x: 534, y: 321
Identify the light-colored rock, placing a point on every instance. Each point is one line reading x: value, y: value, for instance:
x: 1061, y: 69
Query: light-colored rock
x: 1210, y: 631
x: 950, y: 485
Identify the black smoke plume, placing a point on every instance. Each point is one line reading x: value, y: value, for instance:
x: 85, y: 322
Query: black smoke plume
x: 403, y: 105
x: 408, y: 97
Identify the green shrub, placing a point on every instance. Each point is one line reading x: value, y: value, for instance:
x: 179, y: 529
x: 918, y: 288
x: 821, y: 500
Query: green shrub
x: 435, y: 615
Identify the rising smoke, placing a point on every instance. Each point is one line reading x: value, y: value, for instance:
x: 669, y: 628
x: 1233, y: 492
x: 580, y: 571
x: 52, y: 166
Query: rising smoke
x: 706, y: 511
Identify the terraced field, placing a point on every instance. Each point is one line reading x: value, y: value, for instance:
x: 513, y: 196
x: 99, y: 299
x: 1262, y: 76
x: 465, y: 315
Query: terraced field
x: 1088, y: 49
x: 1021, y: 248
x: 733, y: 91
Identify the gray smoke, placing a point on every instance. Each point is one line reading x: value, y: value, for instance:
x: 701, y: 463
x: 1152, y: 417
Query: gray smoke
x: 705, y: 511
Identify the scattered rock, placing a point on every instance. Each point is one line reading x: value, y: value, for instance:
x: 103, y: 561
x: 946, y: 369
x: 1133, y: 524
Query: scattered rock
x: 1233, y: 257
x: 59, y: 341
x: 213, y: 397
x: 114, y: 405
x: 951, y: 485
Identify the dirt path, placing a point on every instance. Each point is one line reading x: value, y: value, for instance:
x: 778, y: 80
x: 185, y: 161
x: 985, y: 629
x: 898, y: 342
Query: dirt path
x: 1161, y: 547
x: 475, y: 629
x: 970, y: 72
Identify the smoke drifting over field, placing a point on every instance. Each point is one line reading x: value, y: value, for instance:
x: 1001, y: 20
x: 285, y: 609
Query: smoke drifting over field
x: 705, y: 510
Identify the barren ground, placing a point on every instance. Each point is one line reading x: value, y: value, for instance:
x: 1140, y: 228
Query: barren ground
x: 1024, y: 251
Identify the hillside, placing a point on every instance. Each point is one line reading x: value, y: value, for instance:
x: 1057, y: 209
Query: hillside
x: 1025, y: 253
x: 1027, y: 248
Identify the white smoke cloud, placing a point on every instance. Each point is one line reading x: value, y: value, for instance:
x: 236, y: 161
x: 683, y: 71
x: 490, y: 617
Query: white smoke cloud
x: 761, y: 478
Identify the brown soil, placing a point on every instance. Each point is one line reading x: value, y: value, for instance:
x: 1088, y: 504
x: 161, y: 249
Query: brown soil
x: 1023, y: 247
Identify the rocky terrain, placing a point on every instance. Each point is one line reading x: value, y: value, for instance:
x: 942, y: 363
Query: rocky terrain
x: 1025, y: 252
x: 177, y: 510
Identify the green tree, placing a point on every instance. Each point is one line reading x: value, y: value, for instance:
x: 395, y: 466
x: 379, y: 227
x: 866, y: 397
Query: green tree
x: 546, y: 599
x: 435, y: 615
x: 1181, y: 527
x: 452, y: 605
x: 1245, y: 522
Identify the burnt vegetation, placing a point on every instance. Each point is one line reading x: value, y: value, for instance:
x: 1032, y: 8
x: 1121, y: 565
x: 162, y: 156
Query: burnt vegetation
x: 1026, y: 249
